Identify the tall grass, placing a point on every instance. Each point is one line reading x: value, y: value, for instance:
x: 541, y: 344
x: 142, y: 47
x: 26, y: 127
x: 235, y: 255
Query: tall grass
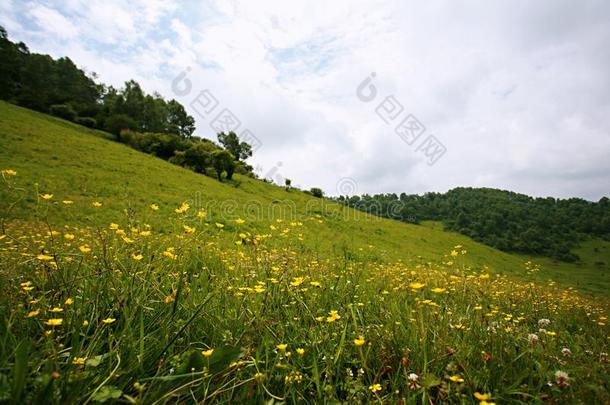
x: 129, y: 313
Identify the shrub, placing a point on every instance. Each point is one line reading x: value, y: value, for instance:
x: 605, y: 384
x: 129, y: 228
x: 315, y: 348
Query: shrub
x: 198, y: 156
x: 223, y: 160
x: 64, y: 111
x: 86, y: 121
x: 118, y: 122
x: 164, y: 146
x: 317, y: 192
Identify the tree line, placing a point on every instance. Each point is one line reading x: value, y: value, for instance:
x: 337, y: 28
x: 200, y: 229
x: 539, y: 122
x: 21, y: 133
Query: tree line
x: 506, y: 220
x: 146, y: 122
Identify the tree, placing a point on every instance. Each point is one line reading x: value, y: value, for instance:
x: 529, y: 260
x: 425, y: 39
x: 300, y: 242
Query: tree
x: 317, y: 192
x: 199, y: 156
x: 155, y: 115
x: 231, y: 142
x: 118, y: 122
x: 64, y: 111
x: 223, y: 160
x: 179, y: 122
x: 134, y: 103
x: 38, y: 82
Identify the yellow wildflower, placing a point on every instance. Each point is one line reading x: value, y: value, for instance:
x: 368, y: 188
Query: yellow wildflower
x: 375, y: 388
x: 84, y: 249
x: 417, y: 286
x: 282, y: 346
x: 207, y: 353
x: 456, y: 378
x: 44, y: 258
x: 359, y: 341
x: 108, y: 321
x: 54, y: 322
x: 137, y: 257
x: 219, y: 225
x: 482, y: 397
x: 332, y: 316
x: 67, y: 202
x: 32, y: 314
x: 96, y: 204
x: 69, y: 301
x: 183, y: 208
x: 169, y: 254
x: 154, y: 207
x: 46, y: 196
x: 9, y: 172
x: 79, y: 361
x: 300, y: 351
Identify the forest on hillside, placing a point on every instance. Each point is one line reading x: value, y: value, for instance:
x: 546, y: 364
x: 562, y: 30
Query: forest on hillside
x: 146, y: 122
x: 505, y: 220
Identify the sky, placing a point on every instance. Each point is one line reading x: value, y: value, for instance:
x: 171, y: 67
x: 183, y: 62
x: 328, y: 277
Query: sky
x: 362, y: 97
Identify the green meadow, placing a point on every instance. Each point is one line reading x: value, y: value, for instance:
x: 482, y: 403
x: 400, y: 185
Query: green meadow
x: 127, y: 279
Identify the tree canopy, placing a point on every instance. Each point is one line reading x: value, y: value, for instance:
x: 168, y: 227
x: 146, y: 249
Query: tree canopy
x: 506, y: 220
x: 59, y: 87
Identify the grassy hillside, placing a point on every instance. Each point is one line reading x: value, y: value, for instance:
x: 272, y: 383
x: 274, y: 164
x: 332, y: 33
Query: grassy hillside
x: 72, y: 162
x: 126, y: 279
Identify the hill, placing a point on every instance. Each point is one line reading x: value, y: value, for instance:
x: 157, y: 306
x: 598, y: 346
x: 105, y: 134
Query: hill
x: 127, y: 278
x: 502, y: 219
x: 82, y: 164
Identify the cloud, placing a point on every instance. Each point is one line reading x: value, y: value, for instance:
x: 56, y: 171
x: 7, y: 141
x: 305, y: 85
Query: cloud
x: 52, y: 21
x: 516, y: 91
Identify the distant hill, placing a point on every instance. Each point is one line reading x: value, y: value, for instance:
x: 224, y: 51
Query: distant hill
x: 506, y: 220
x: 55, y: 156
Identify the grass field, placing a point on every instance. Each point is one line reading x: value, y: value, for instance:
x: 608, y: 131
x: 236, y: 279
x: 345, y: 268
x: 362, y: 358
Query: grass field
x: 125, y: 278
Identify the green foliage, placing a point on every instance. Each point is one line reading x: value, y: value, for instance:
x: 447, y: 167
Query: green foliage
x: 199, y: 156
x: 64, y: 111
x: 317, y: 192
x: 119, y: 122
x: 81, y: 164
x: 179, y: 122
x: 58, y: 86
x: 508, y: 221
x: 86, y: 121
x: 160, y: 145
x: 240, y: 150
x: 223, y: 161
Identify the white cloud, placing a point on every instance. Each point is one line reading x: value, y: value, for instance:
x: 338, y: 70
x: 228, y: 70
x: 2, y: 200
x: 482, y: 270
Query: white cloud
x: 52, y: 21
x: 517, y: 91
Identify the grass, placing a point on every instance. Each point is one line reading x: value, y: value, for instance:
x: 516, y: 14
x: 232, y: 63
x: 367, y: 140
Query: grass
x: 70, y: 161
x: 118, y: 301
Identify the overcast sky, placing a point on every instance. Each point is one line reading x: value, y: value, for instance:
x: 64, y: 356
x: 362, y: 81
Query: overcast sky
x: 506, y: 94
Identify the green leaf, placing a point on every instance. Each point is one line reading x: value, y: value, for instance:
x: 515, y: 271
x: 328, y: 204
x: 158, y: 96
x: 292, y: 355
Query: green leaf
x: 20, y: 370
x: 95, y: 361
x: 106, y: 393
x: 430, y: 380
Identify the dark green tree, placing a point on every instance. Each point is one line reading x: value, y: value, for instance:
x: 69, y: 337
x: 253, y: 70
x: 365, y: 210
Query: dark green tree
x: 223, y: 160
x: 179, y: 122
x: 232, y: 143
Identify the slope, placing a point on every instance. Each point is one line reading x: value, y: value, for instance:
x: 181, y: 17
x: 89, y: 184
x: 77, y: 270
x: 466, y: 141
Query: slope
x: 75, y: 163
